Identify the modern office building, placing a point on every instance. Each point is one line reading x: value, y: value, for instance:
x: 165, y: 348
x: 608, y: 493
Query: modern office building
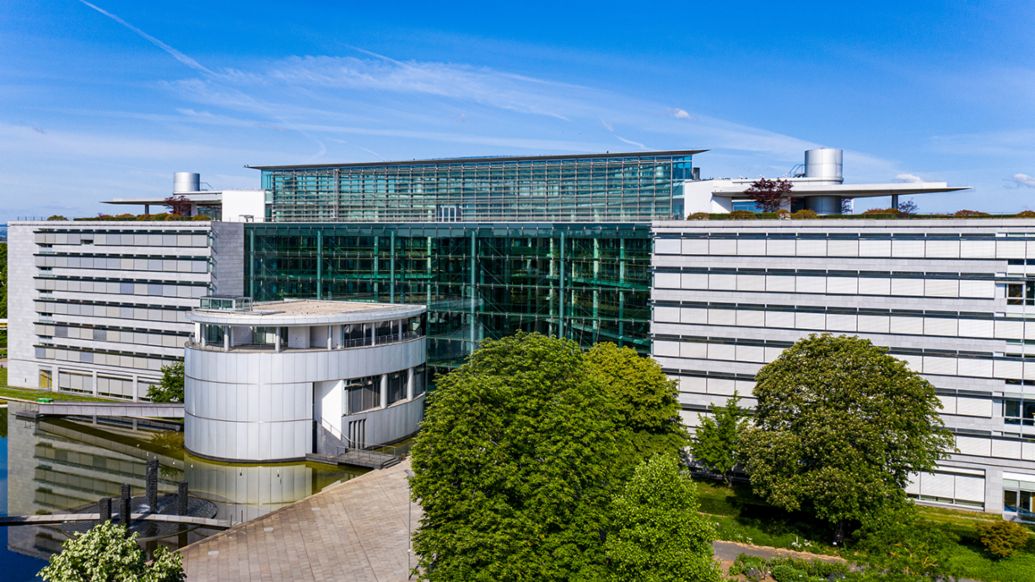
x: 100, y: 307
x: 555, y: 244
x: 955, y: 299
x: 277, y: 381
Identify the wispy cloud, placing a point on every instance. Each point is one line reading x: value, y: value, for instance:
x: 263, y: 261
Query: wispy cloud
x: 1024, y: 180
x: 179, y: 56
x: 907, y: 177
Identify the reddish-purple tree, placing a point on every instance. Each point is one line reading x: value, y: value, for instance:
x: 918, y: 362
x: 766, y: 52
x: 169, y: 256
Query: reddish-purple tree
x: 178, y: 205
x: 769, y: 194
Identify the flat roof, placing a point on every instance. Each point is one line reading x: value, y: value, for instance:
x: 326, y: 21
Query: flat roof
x: 482, y: 159
x: 307, y: 312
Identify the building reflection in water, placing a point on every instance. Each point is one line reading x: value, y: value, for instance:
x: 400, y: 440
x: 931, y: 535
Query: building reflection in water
x: 58, y: 466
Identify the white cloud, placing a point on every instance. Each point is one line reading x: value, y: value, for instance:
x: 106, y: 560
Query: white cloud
x: 1023, y: 180
x: 680, y: 113
x: 907, y: 177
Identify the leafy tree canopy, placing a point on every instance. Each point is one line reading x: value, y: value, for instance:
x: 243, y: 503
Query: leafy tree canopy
x: 656, y: 533
x: 106, y: 553
x: 520, y: 454
x: 644, y: 399
x: 170, y: 389
x: 839, y: 427
x: 716, y: 443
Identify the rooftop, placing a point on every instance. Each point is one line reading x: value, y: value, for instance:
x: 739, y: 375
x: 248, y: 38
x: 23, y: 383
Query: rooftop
x: 486, y: 159
x: 241, y: 311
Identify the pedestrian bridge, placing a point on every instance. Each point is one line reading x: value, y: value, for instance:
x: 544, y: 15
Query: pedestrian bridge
x: 114, y: 409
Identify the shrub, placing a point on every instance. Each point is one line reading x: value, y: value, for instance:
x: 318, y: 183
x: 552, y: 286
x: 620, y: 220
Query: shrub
x: 699, y: 216
x: 56, y: 217
x: 788, y: 573
x: 742, y: 215
x: 784, y: 569
x: 108, y: 552
x: 1002, y: 538
x: 970, y: 214
x: 882, y: 212
x: 783, y: 213
x: 1025, y: 214
x: 804, y: 214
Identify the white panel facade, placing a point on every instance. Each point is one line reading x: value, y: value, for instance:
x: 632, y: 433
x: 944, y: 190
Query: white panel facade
x: 963, y: 323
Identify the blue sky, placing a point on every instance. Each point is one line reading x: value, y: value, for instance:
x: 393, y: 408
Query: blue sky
x: 109, y: 99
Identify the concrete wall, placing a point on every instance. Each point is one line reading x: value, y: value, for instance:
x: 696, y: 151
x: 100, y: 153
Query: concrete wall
x: 729, y: 297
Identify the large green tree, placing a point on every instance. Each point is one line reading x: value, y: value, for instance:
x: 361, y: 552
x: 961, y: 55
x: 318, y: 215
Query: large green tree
x: 656, y: 533
x: 644, y: 398
x: 839, y: 427
x: 106, y: 553
x: 520, y: 453
x: 716, y: 443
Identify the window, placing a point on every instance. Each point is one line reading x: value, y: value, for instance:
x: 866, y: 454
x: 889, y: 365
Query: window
x: 387, y: 332
x: 1019, y: 412
x: 1020, y: 293
x: 363, y: 393
x: 1019, y: 498
x: 356, y: 334
x: 397, y: 386
x: 420, y: 379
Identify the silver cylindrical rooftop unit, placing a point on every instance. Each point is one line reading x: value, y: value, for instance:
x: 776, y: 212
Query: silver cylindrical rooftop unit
x: 186, y: 182
x: 824, y: 164
x: 824, y: 204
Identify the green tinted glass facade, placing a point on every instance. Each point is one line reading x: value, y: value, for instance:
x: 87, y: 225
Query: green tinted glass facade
x: 580, y: 188
x: 589, y: 282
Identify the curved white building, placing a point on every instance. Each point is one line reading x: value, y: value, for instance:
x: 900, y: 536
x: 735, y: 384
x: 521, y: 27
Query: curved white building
x: 277, y: 381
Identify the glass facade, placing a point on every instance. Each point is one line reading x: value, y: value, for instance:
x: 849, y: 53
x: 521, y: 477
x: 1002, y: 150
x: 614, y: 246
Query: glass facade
x: 588, y: 282
x: 579, y: 188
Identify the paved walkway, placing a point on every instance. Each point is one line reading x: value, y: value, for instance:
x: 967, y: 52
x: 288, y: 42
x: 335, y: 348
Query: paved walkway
x: 356, y: 530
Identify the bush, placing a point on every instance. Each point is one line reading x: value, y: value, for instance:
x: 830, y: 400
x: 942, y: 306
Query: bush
x: 788, y: 573
x: 108, y: 552
x: 785, y: 569
x: 699, y: 216
x: 783, y: 213
x: 1002, y: 538
x: 742, y: 215
x: 1025, y: 214
x: 804, y: 214
x: 56, y: 217
x: 970, y: 214
x: 882, y: 212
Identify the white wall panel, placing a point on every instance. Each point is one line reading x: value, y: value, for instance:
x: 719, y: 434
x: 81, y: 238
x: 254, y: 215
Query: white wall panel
x: 810, y: 321
x: 943, y: 249
x: 874, y: 286
x: 977, y: 249
x: 750, y: 282
x: 722, y: 282
x: 750, y: 354
x: 696, y: 350
x: 779, y: 283
x: 721, y: 386
x: 693, y: 315
x: 940, y: 326
x: 941, y: 288
x: 751, y: 247
x: 751, y: 317
x: 903, y: 248
x: 720, y: 246
x: 907, y: 325
x: 780, y: 247
x: 666, y: 314
x: 977, y: 289
x: 842, y: 285
x: 779, y: 319
x: 667, y: 246
x: 874, y: 248
x: 695, y: 246
x: 874, y: 323
x: 974, y: 367
x: 812, y: 248
x: 948, y: 404
x: 974, y: 407
x: 811, y: 284
x: 722, y: 317
x: 841, y: 322
x: 666, y: 280
x: 666, y: 348
x: 722, y: 352
x: 694, y: 280
x: 939, y: 366
x: 1009, y: 249
x: 843, y: 248
x: 1009, y: 328
x: 907, y: 287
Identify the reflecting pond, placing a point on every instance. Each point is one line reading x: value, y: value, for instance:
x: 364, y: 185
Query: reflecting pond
x: 59, y: 466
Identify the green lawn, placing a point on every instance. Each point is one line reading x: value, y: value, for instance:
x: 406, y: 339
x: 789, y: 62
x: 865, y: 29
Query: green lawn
x: 30, y: 394
x: 742, y: 517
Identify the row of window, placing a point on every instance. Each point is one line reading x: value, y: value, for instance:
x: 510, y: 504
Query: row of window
x: 199, y: 265
x: 170, y: 314
x: 142, y: 338
x: 362, y: 394
x: 183, y: 291
x: 106, y: 385
x: 126, y: 239
x: 848, y: 245
x: 846, y: 320
x: 879, y: 284
x: 153, y: 363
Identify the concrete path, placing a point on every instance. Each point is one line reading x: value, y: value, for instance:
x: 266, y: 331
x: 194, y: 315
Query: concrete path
x: 357, y: 530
